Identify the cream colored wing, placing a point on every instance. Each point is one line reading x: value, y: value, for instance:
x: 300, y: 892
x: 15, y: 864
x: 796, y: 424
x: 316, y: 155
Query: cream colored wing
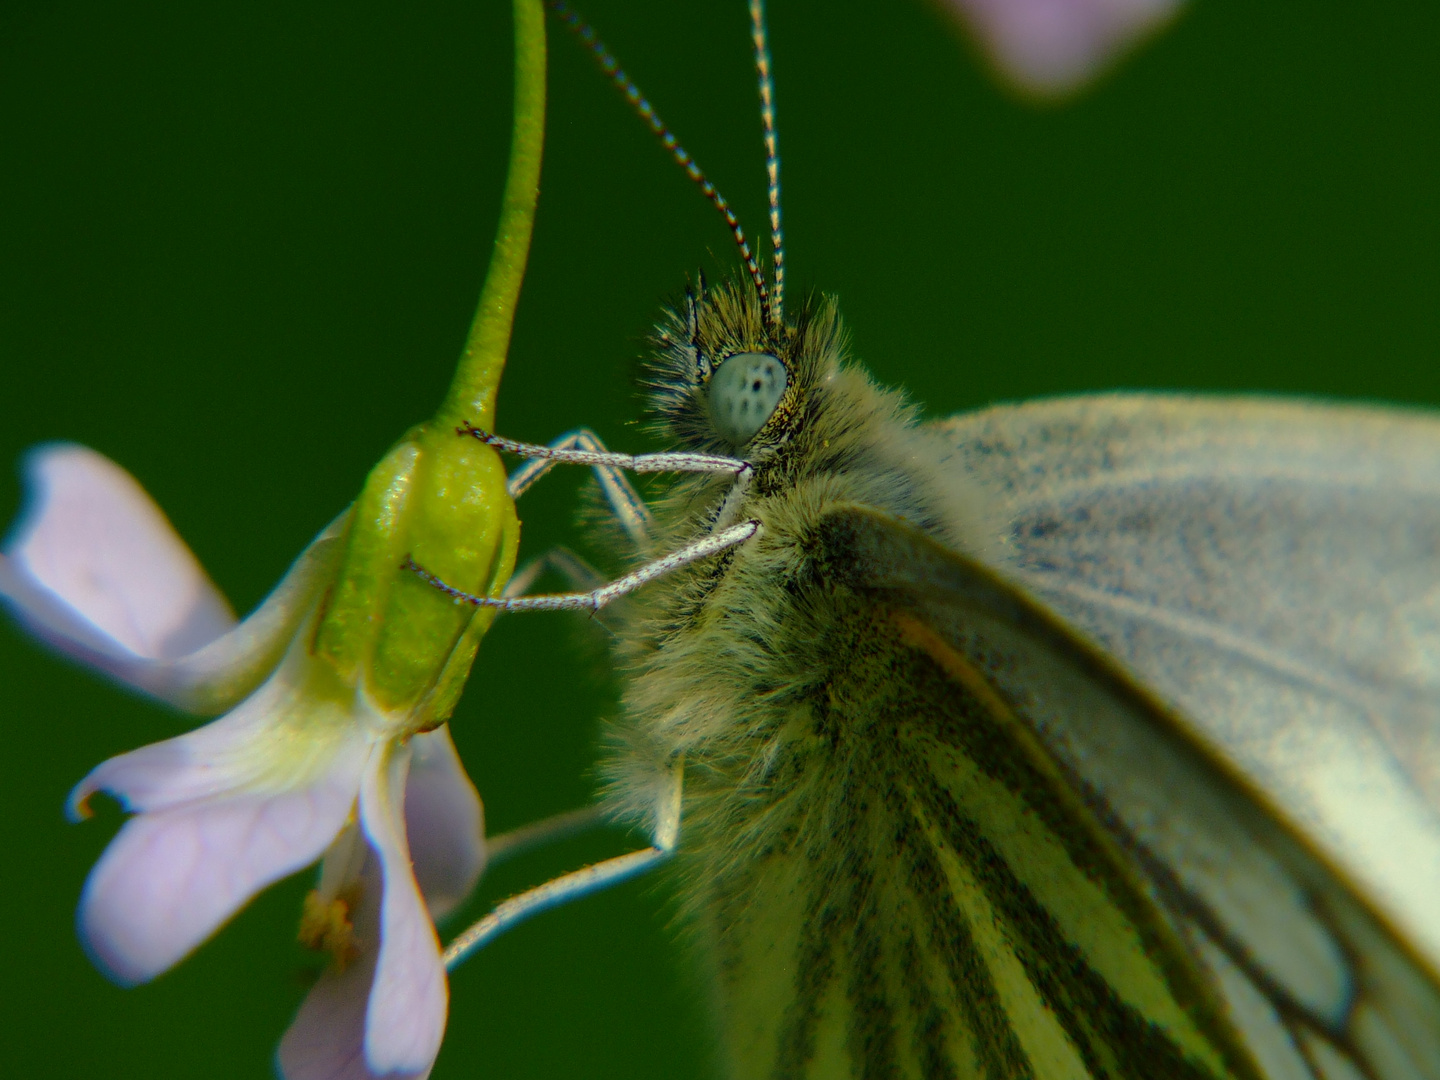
x: 1271, y: 570
x: 1316, y: 986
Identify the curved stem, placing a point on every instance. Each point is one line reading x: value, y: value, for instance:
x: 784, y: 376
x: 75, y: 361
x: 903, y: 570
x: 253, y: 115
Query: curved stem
x: 477, y: 376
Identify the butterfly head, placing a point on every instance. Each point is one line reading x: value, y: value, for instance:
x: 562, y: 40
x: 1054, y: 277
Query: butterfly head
x: 725, y: 379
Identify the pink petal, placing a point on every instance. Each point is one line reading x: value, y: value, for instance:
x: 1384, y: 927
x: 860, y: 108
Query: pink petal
x: 405, y: 1020
x: 96, y: 570
x: 1054, y: 46
x: 279, y: 726
x: 100, y: 546
x: 444, y: 823
x: 170, y: 878
x: 326, y: 1041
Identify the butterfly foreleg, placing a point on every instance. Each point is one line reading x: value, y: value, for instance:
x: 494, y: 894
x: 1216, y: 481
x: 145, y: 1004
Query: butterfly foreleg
x: 624, y: 501
x: 583, y: 447
x: 578, y: 883
x: 595, y: 599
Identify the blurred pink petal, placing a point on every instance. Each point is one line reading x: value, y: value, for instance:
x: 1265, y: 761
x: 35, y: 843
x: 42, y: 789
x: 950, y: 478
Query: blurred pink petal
x: 1051, y: 47
x: 326, y: 1041
x: 95, y: 569
x: 409, y: 998
x: 283, y: 736
x: 170, y: 878
x: 223, y: 811
x: 444, y: 823
x: 95, y: 539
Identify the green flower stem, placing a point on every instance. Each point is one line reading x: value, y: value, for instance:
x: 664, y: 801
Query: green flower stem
x: 436, y: 496
x: 472, y: 393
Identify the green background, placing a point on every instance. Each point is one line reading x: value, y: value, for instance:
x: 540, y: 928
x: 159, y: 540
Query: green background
x: 240, y: 244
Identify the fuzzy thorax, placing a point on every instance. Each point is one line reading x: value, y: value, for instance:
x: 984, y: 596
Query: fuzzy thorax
x: 727, y: 659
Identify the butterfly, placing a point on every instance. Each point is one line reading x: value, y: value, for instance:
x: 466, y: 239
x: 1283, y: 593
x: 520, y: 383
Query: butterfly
x: 1089, y: 737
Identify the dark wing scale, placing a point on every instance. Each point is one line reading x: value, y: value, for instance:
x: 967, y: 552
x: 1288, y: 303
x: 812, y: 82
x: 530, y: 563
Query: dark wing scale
x: 824, y: 964
x: 905, y: 926
x: 1313, y: 983
x: 1010, y: 824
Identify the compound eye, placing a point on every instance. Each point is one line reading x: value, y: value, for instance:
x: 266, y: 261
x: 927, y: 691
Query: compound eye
x: 743, y: 394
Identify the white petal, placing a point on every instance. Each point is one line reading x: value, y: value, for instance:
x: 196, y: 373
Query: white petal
x: 97, y: 543
x: 215, y: 678
x: 282, y: 737
x: 172, y: 877
x: 1053, y: 46
x: 405, y: 1020
x: 326, y: 1041
x: 96, y: 570
x: 444, y: 823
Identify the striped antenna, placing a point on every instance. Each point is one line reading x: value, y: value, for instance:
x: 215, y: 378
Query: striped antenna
x: 611, y: 67
x: 761, y: 38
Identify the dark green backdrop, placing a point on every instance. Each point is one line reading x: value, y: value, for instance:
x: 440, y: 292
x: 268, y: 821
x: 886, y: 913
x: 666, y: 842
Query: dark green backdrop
x: 240, y: 244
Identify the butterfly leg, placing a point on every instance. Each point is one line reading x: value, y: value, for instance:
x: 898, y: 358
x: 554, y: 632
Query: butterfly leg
x: 577, y: 883
x: 548, y: 830
x: 620, y: 494
x: 583, y: 447
x: 581, y: 575
x: 595, y: 599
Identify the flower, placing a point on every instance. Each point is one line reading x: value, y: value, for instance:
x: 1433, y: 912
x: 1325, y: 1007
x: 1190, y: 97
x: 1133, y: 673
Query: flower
x: 312, y: 759
x: 380, y: 1011
x: 1052, y: 47
x: 335, y: 691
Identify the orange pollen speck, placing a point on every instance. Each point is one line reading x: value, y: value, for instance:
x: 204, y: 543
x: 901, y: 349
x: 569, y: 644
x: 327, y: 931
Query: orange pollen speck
x: 325, y: 926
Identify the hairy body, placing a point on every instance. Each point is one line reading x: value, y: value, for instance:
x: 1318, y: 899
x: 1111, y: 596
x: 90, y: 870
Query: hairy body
x: 930, y: 830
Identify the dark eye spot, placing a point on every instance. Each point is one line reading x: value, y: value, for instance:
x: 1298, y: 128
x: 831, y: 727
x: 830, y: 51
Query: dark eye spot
x: 743, y: 394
